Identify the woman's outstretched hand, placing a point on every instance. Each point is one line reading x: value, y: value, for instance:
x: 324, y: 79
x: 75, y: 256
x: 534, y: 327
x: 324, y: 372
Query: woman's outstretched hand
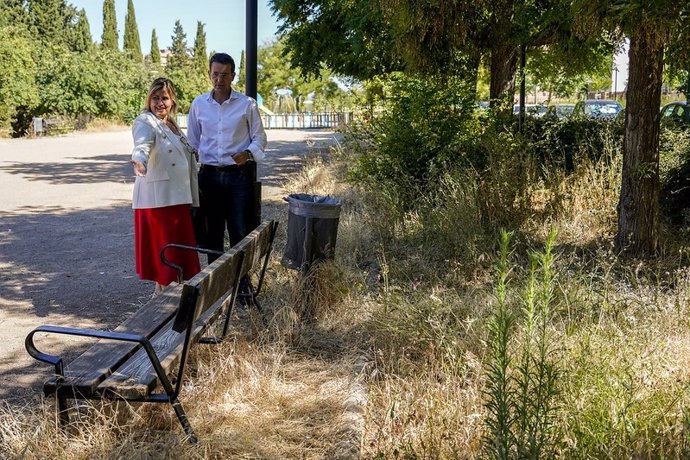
x: 139, y: 168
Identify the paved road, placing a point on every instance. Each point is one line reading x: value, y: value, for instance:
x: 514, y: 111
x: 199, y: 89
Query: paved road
x: 66, y: 252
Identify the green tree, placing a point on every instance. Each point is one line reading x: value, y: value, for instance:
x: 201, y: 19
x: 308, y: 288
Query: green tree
x: 109, y: 38
x: 241, y: 83
x: 350, y: 38
x: 51, y: 21
x: 17, y: 80
x: 82, y: 33
x: 102, y: 83
x: 132, y: 45
x: 13, y: 13
x: 155, y: 53
x: 179, y: 52
x: 276, y: 74
x: 200, y: 54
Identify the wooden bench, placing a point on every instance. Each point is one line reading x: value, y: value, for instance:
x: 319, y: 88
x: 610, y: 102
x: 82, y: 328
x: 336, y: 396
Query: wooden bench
x: 135, y: 361
x: 54, y: 126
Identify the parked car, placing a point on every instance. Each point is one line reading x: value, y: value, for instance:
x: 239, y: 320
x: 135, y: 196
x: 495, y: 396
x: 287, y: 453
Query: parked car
x: 560, y: 110
x: 599, y: 108
x: 677, y: 113
x: 534, y: 110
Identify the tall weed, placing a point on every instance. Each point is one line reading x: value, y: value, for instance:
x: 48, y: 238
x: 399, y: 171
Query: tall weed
x: 522, y: 385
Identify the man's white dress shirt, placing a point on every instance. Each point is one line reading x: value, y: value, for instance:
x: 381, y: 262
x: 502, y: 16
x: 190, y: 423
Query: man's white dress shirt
x: 219, y: 131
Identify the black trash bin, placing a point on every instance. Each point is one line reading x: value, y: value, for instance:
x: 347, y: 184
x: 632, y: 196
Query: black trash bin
x: 312, y: 229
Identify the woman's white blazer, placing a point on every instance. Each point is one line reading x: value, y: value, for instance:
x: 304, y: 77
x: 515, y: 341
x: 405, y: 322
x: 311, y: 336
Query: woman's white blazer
x: 171, y: 167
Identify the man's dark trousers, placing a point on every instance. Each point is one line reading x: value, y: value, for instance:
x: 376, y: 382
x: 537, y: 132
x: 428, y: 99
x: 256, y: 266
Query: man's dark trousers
x: 227, y: 201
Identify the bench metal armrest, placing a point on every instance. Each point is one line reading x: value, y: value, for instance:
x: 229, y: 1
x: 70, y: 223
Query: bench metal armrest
x: 167, y: 261
x: 95, y: 333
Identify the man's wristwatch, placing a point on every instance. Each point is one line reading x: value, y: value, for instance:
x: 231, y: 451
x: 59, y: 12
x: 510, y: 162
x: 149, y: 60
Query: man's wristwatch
x: 249, y: 154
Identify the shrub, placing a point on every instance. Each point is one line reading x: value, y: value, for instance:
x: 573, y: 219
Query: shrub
x: 418, y: 136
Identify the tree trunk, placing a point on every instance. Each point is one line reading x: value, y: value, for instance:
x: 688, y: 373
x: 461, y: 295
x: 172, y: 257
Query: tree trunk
x: 638, y: 208
x: 504, y: 58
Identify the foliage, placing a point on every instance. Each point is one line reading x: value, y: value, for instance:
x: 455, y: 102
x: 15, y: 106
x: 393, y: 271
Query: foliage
x: 132, y: 45
x: 13, y: 13
x: 82, y: 33
x: 350, y: 37
x: 109, y: 38
x: 189, y: 83
x: 675, y: 175
x: 51, y: 21
x: 435, y: 36
x: 307, y: 95
x: 73, y: 84
x: 558, y: 142
x: 17, y: 80
x: 418, y: 136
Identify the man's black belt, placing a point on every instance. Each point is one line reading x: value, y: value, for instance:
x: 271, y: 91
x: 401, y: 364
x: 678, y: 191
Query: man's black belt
x: 224, y: 168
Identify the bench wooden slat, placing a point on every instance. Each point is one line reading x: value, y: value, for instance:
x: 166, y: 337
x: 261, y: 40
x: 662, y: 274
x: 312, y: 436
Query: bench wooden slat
x: 256, y: 244
x: 136, y: 378
x: 89, y: 369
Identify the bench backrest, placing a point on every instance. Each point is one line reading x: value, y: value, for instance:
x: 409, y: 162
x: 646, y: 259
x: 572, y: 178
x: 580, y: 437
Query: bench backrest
x: 257, y: 246
x: 215, y: 283
x: 218, y: 282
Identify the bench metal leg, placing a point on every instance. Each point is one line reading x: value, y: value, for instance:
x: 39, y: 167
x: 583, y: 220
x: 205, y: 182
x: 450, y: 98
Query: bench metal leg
x: 182, y: 417
x: 63, y: 410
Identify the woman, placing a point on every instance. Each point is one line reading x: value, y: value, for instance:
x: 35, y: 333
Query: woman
x: 165, y: 189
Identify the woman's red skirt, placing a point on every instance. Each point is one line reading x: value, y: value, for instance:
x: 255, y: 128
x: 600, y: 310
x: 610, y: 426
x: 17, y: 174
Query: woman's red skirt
x: 153, y: 229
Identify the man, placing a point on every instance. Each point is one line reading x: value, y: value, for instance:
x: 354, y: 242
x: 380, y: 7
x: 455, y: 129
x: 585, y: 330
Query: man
x: 226, y: 128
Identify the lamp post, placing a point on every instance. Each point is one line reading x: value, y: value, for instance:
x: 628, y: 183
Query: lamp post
x: 615, y: 82
x: 250, y: 44
x: 250, y: 90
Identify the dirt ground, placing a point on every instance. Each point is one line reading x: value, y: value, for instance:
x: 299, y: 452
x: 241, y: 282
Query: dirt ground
x: 66, y: 253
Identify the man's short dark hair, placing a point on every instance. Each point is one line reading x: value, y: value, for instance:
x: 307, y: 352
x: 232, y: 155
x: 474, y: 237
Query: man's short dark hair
x: 222, y: 58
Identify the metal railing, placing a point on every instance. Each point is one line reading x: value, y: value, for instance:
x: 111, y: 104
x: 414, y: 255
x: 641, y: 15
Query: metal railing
x: 304, y: 120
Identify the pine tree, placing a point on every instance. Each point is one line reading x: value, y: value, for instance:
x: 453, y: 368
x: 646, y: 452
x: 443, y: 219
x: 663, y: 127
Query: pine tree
x: 200, y: 55
x: 132, y: 45
x: 179, y: 57
x: 82, y: 33
x: 155, y: 53
x: 109, y: 38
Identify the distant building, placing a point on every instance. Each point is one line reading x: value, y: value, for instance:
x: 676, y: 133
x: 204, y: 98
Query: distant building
x: 619, y: 73
x: 163, y: 53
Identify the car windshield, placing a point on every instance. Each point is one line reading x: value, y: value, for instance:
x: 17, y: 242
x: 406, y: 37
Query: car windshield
x: 602, y: 108
x: 564, y: 110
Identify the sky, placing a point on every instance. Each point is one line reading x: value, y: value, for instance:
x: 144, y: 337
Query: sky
x: 224, y: 22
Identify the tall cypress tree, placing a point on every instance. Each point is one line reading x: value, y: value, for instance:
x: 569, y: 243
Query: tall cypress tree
x: 179, y: 53
x: 200, y: 55
x: 82, y: 33
x: 132, y: 45
x: 240, y: 86
x: 109, y: 38
x: 155, y: 53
